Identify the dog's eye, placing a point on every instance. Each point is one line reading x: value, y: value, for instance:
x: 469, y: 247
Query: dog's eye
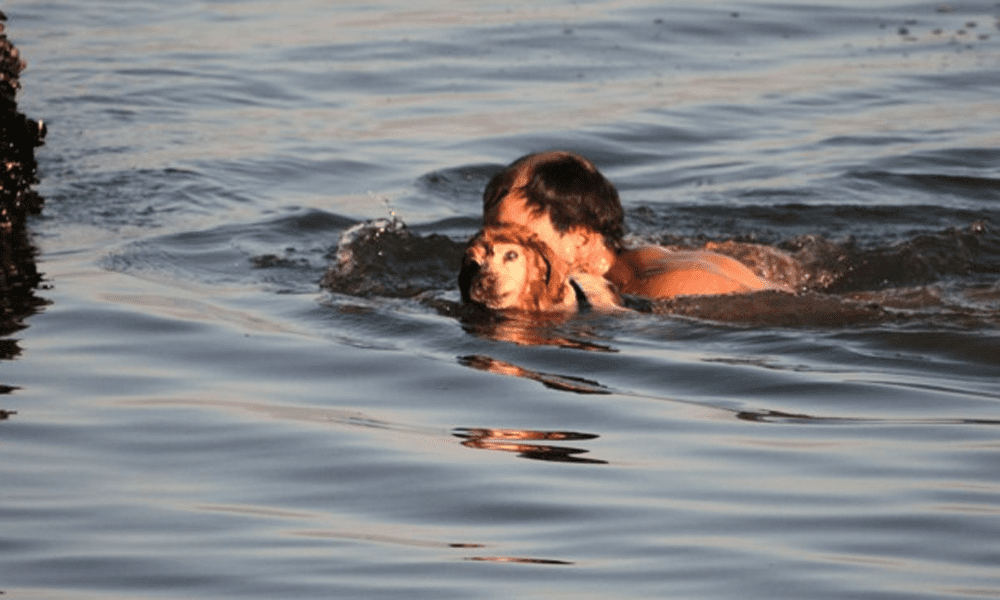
x: 511, y: 255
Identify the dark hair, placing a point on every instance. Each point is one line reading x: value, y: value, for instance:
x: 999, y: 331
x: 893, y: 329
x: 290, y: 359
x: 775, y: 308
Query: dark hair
x: 567, y: 186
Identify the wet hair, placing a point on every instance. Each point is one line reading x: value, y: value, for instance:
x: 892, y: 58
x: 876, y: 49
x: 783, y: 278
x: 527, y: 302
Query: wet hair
x: 565, y: 185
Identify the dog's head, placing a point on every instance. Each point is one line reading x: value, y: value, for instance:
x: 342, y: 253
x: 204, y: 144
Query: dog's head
x: 510, y: 268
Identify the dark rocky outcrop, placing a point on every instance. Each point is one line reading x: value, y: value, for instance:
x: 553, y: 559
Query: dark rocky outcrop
x: 19, y: 136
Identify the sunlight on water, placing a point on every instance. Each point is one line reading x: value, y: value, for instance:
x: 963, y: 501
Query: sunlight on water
x: 248, y: 373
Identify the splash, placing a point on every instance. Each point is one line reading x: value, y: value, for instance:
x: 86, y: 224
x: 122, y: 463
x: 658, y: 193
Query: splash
x: 385, y: 258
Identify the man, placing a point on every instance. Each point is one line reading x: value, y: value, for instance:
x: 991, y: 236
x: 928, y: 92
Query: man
x: 572, y: 207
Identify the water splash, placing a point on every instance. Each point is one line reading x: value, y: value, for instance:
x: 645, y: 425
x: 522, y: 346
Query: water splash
x: 385, y: 258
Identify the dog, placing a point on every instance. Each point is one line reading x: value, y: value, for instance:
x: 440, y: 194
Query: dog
x: 511, y: 268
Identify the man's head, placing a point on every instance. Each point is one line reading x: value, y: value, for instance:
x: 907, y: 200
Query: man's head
x: 557, y: 195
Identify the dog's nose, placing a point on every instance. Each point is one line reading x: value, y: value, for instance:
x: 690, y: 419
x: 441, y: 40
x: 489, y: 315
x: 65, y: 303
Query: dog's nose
x: 470, y: 268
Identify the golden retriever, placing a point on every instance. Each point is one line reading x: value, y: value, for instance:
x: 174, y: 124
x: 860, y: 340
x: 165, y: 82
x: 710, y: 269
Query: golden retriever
x: 510, y: 267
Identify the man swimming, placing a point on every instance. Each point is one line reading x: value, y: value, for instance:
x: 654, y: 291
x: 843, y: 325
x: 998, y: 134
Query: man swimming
x: 572, y: 207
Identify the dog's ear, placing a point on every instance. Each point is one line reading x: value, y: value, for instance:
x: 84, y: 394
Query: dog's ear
x: 558, y: 271
x: 470, y: 266
x: 545, y: 288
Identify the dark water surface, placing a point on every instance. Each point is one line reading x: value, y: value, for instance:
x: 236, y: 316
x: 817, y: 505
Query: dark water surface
x: 193, y: 416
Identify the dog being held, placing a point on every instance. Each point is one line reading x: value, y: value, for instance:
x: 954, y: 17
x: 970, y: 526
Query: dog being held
x: 509, y: 267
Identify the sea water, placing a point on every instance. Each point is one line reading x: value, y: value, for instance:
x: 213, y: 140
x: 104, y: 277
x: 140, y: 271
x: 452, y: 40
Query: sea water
x: 192, y: 414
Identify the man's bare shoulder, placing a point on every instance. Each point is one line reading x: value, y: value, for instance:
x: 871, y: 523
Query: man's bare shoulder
x: 658, y: 272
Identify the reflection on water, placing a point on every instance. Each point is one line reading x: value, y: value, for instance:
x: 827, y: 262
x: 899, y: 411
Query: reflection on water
x: 383, y: 539
x: 515, y: 559
x: 566, y: 383
x: 550, y: 329
x: 511, y: 440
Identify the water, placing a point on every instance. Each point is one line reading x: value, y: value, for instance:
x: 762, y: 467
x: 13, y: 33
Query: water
x: 192, y: 416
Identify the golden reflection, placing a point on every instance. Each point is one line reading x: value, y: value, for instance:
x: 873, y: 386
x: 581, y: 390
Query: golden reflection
x: 518, y: 559
x: 524, y: 329
x: 511, y: 440
x: 566, y: 383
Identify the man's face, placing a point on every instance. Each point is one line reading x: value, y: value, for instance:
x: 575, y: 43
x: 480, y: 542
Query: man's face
x: 514, y: 210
